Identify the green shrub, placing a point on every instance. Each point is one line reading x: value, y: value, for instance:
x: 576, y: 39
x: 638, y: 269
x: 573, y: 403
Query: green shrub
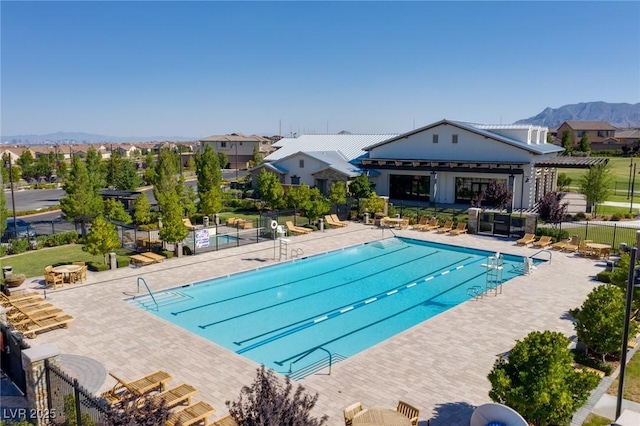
x: 3, y: 250
x: 62, y: 239
x: 167, y: 253
x: 40, y: 241
x: 122, y: 261
x: 581, y: 357
x: 616, y: 217
x: 604, y: 276
x: 580, y: 216
x: 18, y: 246
x: 186, y: 251
x: 556, y: 233
x: 628, y: 216
x: 148, y: 227
x: 97, y: 266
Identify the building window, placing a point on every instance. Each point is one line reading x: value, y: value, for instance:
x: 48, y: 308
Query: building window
x: 435, y: 138
x: 454, y: 138
x: 301, y: 164
x: 295, y: 180
x: 223, y: 144
x: 580, y: 133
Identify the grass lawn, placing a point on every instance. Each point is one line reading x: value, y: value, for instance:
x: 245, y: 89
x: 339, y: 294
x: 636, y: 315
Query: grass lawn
x: 32, y: 263
x: 631, y: 381
x: 593, y: 420
x: 620, y: 170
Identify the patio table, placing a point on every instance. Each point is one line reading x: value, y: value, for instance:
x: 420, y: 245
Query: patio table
x: 380, y: 417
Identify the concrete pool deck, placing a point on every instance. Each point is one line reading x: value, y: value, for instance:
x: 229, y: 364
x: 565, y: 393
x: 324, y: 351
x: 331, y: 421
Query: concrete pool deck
x: 440, y: 366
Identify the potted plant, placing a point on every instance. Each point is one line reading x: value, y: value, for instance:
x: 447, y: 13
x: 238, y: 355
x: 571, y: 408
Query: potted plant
x: 14, y: 280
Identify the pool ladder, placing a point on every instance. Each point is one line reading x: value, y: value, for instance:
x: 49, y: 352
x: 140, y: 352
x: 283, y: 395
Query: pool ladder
x: 148, y: 290
x: 312, y: 368
x: 296, y: 252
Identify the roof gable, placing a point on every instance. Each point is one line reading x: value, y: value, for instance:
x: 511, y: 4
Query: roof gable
x: 588, y: 125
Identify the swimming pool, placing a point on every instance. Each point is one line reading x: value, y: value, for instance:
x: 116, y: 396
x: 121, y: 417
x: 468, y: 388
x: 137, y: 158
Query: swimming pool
x: 340, y: 302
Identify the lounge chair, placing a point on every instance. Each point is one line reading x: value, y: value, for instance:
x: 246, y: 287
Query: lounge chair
x: 526, y: 239
x: 225, y: 420
x: 411, y: 412
x: 336, y: 219
x: 328, y: 219
x: 19, y: 297
x: 561, y: 244
x: 31, y: 328
x: 350, y: 412
x: 137, y: 387
x: 461, y: 228
x: 157, y: 258
x: 448, y: 226
x: 296, y: 230
x: 188, y: 224
x: 544, y: 241
x: 175, y: 396
x: 573, y: 245
x: 140, y: 260
x: 191, y: 415
x: 433, y: 224
x: 20, y: 319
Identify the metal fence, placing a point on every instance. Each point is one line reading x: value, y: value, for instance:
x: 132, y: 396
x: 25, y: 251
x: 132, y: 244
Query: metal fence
x: 69, y: 403
x: 11, y: 348
x: 612, y: 233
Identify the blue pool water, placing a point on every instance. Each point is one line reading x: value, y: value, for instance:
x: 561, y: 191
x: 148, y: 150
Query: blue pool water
x: 343, y: 301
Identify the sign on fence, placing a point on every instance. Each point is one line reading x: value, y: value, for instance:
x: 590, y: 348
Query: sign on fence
x: 202, y: 238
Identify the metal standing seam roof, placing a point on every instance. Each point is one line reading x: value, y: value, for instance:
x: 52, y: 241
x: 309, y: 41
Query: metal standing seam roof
x: 351, y: 146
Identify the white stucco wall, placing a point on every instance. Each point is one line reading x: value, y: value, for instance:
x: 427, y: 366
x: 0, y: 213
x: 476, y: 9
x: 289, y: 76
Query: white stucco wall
x: 292, y: 164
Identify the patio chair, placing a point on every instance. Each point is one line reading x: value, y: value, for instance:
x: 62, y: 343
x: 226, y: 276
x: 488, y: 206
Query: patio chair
x: 448, y: 226
x: 350, y: 412
x: 175, y: 396
x: 526, y: 239
x: 461, y: 228
x: 33, y: 327
x: 188, y: 224
x: 544, y: 241
x: 409, y: 411
x: 328, y: 219
x: 138, y: 387
x: 573, y: 245
x: 51, y: 279
x: 226, y: 420
x: 296, y: 230
x: 336, y: 219
x: 191, y: 415
x: 433, y: 224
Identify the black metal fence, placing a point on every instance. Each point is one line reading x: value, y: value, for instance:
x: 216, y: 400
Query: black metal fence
x: 69, y: 403
x: 11, y: 355
x: 612, y: 233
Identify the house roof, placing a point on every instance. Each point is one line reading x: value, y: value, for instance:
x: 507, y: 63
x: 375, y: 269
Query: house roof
x: 334, y: 160
x: 628, y: 134
x: 589, y: 125
x: 351, y: 146
x: 483, y: 130
x: 235, y: 137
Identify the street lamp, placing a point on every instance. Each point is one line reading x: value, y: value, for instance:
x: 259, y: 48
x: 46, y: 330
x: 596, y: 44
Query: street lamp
x: 633, y: 184
x: 236, y: 145
x: 13, y: 200
x: 627, y: 318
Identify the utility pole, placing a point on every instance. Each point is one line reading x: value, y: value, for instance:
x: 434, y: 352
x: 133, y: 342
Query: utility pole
x: 13, y: 200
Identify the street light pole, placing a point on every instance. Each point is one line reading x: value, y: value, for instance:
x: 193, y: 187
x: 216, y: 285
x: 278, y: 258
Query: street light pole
x: 633, y: 184
x: 236, y: 144
x: 629, y: 185
x: 627, y: 319
x: 13, y: 200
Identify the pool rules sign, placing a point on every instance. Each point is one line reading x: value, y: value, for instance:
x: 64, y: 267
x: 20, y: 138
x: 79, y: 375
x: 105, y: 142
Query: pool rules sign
x: 202, y: 238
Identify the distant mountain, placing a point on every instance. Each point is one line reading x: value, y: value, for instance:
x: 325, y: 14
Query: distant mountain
x: 620, y: 115
x: 79, y: 137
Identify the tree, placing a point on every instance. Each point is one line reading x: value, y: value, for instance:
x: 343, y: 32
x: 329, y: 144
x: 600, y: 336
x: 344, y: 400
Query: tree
x: 316, y: 206
x: 596, y: 184
x: 267, y: 402
x: 102, y: 238
x: 564, y: 182
x: 166, y: 180
x: 123, y: 173
x: 81, y: 202
x: 257, y: 158
x: 173, y: 228
x: 209, y: 179
x: 498, y: 194
x: 223, y: 160
x: 298, y: 196
x: 95, y: 168
x: 149, y: 174
x: 186, y: 197
x: 25, y: 161
x: 599, y: 318
x: 550, y: 209
x: 373, y: 204
x: 567, y: 141
x: 142, y: 210
x: 360, y: 187
x: 584, y: 144
x: 620, y: 276
x: 4, y: 213
x: 338, y: 193
x: 270, y: 189
x: 114, y: 210
x: 538, y: 379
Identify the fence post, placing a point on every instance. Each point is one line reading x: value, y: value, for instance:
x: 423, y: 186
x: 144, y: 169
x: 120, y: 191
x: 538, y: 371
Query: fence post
x: 38, y: 396
x: 76, y: 395
x: 586, y: 231
x: 613, y: 243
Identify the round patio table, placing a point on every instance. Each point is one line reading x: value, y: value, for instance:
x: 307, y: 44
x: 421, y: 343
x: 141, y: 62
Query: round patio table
x: 67, y: 270
x: 380, y: 417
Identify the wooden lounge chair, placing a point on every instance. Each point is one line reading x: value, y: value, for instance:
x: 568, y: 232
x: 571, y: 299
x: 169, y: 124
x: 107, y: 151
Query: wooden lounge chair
x: 433, y: 224
x: 225, y: 420
x: 140, y: 260
x: 560, y: 244
x: 175, y: 396
x: 21, y: 319
x: 191, y: 415
x: 4, y: 299
x: 526, y: 239
x: 33, y: 327
x: 461, y: 228
x: 411, y: 412
x: 336, y: 219
x: 328, y: 219
x: 573, y: 245
x: 448, y: 226
x: 188, y: 224
x: 296, y: 230
x: 157, y: 258
x: 544, y: 241
x: 350, y: 412
x: 137, y: 387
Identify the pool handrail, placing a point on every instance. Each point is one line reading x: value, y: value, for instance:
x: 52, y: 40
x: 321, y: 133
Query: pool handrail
x: 148, y: 289
x: 309, y: 352
x: 541, y: 251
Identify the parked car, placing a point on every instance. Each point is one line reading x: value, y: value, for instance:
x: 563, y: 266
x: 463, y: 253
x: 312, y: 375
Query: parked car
x: 24, y: 230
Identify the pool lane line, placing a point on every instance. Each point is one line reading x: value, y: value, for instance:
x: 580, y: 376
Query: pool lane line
x: 347, y: 308
x: 264, y: 308
x: 281, y: 362
x: 360, y: 304
x: 288, y: 282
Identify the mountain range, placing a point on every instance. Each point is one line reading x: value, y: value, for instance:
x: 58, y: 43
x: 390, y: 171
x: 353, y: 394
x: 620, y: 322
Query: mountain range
x: 620, y: 115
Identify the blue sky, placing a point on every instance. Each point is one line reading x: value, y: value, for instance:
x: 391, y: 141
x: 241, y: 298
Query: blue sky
x: 202, y: 68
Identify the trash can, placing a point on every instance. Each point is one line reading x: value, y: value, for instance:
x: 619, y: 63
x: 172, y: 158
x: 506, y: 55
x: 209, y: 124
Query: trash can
x: 205, y: 221
x: 6, y: 271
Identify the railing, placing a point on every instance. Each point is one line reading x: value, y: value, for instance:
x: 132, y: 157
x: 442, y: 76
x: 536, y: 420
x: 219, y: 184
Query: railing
x: 296, y: 252
x: 309, y: 352
x: 542, y: 251
x: 148, y: 289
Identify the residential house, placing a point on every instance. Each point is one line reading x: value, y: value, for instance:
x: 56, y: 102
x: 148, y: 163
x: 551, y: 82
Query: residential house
x: 238, y: 147
x: 600, y: 133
